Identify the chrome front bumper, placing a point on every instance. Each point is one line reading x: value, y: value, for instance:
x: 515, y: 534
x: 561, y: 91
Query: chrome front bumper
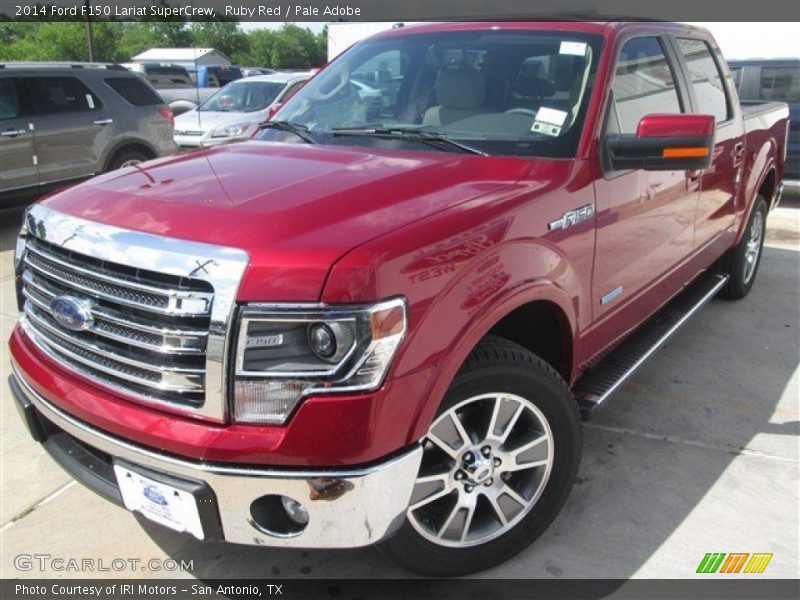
x: 346, y: 508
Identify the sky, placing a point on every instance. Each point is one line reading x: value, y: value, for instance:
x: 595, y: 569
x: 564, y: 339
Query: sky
x: 756, y: 40
x: 737, y: 40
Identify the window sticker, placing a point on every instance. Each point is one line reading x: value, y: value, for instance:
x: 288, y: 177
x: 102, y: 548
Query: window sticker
x: 546, y: 128
x: 551, y: 115
x: 549, y: 121
x: 90, y: 101
x: 573, y: 48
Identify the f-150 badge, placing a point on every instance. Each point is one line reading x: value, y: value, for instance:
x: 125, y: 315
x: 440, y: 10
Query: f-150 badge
x: 573, y: 217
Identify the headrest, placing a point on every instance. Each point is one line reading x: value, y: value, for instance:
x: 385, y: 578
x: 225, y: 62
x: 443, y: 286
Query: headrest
x: 534, y: 87
x: 459, y: 88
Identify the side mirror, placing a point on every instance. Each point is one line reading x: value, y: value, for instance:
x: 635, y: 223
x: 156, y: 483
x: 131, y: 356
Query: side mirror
x: 274, y: 109
x: 669, y: 142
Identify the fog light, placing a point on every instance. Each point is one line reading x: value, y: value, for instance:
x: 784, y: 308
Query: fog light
x: 296, y: 511
x: 278, y: 516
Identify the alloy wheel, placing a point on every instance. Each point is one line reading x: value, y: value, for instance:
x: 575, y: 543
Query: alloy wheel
x: 485, y: 464
x: 753, y: 249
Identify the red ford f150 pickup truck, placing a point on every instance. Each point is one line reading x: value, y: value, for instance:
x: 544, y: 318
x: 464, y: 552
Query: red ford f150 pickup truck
x: 382, y: 320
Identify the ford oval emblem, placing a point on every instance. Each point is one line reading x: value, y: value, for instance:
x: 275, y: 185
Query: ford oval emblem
x: 72, y: 313
x: 152, y: 494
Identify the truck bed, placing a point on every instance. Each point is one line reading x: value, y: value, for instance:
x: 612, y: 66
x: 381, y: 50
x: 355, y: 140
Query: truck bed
x: 755, y: 108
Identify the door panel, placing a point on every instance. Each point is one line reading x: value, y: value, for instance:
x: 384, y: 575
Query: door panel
x: 716, y: 208
x: 71, y: 128
x: 17, y: 168
x: 645, y: 219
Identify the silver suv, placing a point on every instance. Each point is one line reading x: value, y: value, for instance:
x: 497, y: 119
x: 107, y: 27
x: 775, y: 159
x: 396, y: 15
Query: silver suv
x: 60, y: 123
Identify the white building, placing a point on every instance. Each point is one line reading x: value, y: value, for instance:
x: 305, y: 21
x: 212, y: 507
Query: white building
x: 187, y: 57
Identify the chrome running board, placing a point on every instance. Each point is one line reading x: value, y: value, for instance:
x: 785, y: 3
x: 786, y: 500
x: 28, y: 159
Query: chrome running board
x: 603, y: 379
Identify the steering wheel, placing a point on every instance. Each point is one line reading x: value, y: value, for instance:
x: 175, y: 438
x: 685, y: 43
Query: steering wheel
x: 343, y: 73
x: 528, y: 112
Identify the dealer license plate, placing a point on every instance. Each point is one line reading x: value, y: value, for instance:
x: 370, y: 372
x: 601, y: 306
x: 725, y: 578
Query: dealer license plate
x: 164, y: 504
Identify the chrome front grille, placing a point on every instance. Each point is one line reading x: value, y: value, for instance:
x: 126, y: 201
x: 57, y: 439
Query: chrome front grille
x: 148, y: 333
x: 160, y: 309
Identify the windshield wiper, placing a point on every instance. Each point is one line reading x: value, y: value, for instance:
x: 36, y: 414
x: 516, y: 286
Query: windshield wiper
x: 409, y: 133
x: 295, y: 128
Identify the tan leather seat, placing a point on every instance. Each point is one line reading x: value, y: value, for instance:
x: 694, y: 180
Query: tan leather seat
x: 460, y: 94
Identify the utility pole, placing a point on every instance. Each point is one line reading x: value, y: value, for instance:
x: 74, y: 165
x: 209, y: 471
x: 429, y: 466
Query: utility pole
x: 89, y: 41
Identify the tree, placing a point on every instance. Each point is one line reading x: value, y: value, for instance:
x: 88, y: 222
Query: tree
x: 171, y: 34
x: 294, y: 48
x: 224, y: 36
x: 64, y: 41
x: 259, y: 54
x: 322, y: 47
x: 136, y: 38
x: 290, y: 47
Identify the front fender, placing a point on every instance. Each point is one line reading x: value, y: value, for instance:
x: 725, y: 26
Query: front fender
x: 462, y: 270
x: 439, y: 327
x: 454, y: 303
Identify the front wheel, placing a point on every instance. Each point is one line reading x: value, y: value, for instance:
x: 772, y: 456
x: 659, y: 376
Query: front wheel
x: 498, y: 464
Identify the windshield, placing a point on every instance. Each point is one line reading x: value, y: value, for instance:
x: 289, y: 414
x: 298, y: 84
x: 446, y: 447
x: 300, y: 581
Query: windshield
x: 243, y: 96
x: 502, y: 92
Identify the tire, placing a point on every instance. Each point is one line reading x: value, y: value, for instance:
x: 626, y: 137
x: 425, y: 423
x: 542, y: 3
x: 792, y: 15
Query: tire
x: 499, y: 374
x: 745, y: 257
x: 126, y: 158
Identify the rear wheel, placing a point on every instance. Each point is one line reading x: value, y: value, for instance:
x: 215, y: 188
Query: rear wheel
x: 498, y: 463
x: 745, y: 257
x: 126, y: 158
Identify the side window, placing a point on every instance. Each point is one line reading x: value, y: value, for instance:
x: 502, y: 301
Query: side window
x: 706, y: 78
x: 781, y: 83
x: 134, y: 90
x: 54, y: 95
x: 643, y: 84
x: 9, y: 101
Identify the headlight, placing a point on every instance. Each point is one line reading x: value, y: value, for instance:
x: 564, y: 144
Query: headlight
x: 231, y: 131
x: 286, y: 353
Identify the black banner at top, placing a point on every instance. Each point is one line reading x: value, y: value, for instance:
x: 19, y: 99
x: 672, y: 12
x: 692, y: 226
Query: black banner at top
x: 401, y: 10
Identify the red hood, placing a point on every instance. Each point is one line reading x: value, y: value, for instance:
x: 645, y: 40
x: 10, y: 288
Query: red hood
x: 294, y: 208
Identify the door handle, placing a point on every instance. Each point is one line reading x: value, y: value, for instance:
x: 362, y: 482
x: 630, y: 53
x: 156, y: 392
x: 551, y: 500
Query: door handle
x: 13, y: 132
x: 104, y: 121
